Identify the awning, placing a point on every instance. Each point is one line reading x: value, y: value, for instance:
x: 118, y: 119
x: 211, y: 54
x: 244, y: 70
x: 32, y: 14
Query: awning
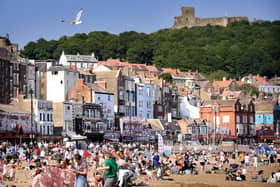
x: 156, y: 124
x: 268, y: 137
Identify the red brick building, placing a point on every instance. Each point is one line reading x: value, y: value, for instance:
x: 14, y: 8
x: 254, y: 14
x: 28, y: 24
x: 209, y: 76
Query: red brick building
x: 230, y: 118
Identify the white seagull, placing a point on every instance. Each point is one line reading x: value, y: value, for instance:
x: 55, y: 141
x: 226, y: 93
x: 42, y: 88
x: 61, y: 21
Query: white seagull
x: 77, y: 19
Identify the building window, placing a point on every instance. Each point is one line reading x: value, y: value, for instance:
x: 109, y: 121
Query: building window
x: 225, y: 119
x: 149, y: 92
x: 237, y: 108
x: 140, y: 90
x: 251, y: 119
x: 98, y: 98
x: 109, y: 98
x: 160, y: 108
x: 237, y: 119
x: 251, y: 108
x: 148, y: 104
x: 41, y: 118
x: 140, y: 103
x: 244, y: 120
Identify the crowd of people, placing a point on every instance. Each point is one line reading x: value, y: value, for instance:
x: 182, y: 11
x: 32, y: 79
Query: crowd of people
x: 105, y: 164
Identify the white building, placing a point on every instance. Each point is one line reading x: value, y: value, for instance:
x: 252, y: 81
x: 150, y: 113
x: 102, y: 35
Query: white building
x: 269, y: 89
x: 183, y: 81
x: 60, y: 80
x: 104, y: 98
x: 78, y: 61
x: 187, y: 110
x: 43, y: 111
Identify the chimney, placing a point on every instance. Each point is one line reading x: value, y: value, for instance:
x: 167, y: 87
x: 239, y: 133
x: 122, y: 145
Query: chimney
x: 224, y: 78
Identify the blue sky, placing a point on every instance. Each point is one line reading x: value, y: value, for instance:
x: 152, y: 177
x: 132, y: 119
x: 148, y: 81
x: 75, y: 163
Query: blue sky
x: 29, y: 20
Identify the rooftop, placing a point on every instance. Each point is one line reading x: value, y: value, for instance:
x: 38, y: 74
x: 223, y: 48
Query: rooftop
x: 13, y: 109
x: 98, y: 88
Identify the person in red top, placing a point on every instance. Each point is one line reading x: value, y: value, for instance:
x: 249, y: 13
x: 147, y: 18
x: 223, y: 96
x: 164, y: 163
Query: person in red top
x: 37, y: 151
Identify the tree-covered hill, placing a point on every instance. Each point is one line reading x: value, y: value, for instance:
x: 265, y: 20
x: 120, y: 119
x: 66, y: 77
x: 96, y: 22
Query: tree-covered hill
x: 238, y: 49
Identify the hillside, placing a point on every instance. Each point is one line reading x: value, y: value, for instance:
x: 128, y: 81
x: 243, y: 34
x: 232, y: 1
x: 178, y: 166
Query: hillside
x: 238, y: 49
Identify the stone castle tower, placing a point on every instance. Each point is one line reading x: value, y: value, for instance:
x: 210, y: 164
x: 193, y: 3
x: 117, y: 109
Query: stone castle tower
x: 188, y: 19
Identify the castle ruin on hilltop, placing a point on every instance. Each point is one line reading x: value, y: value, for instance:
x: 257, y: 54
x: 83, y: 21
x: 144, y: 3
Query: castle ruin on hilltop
x: 188, y: 19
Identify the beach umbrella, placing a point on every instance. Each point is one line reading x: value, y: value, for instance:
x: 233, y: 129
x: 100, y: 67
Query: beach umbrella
x: 167, y: 153
x: 264, y: 147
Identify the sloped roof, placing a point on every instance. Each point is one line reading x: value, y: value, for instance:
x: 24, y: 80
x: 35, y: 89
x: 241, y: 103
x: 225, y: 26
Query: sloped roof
x: 114, y: 63
x: 85, y: 71
x: 81, y: 58
x: 171, y: 71
x: 232, y: 94
x: 97, y: 88
x: 156, y: 124
x: 222, y: 84
x: 13, y: 108
x: 264, y: 106
x: 261, y: 80
x: 61, y: 68
x: 220, y: 102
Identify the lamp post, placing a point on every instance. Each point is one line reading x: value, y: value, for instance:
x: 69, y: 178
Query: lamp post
x: 215, y: 109
x: 31, y: 113
x: 130, y: 124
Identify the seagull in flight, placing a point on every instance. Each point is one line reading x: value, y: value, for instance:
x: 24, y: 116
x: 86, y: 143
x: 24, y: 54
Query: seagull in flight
x: 77, y: 19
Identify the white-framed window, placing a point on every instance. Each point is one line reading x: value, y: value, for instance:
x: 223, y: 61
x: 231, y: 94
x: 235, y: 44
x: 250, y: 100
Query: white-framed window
x: 148, y: 92
x: 225, y: 119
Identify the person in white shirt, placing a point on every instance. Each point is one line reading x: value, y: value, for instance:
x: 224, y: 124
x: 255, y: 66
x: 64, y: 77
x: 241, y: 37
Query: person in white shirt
x: 42, y: 154
x: 68, y: 156
x: 255, y: 159
x: 277, y: 175
x: 247, y: 160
